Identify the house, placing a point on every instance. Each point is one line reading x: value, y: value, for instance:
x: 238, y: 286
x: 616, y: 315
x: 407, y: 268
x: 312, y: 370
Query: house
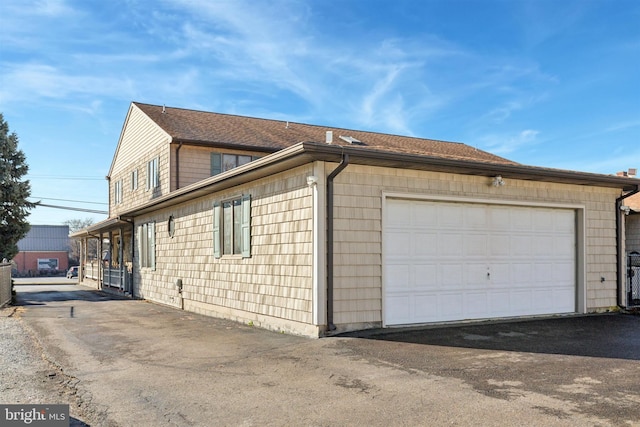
x: 631, y: 208
x: 314, y: 230
x: 43, y: 251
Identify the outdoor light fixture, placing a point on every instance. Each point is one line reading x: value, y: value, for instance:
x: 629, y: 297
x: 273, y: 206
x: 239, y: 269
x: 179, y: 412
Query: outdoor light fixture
x: 497, y: 181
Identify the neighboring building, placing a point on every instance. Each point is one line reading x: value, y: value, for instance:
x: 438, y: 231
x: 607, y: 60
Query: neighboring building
x: 314, y: 230
x: 43, y: 251
x: 631, y: 208
x: 632, y: 220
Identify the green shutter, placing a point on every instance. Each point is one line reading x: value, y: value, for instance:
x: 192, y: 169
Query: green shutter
x: 217, y: 252
x: 216, y: 163
x: 152, y: 244
x: 139, y: 245
x: 246, y: 226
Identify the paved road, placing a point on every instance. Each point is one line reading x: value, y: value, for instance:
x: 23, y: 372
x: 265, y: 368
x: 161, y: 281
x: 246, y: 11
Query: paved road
x: 120, y: 362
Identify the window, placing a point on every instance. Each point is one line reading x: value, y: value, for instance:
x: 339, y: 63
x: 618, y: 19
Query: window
x: 223, y: 162
x: 153, y: 174
x: 146, y: 237
x: 134, y: 180
x: 232, y: 227
x: 117, y: 192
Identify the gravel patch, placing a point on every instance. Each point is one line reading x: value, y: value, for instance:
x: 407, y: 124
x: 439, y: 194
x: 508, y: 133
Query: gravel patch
x: 26, y: 376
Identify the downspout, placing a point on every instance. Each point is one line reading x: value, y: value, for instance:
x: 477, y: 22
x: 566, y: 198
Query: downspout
x: 619, y: 255
x: 178, y: 166
x: 343, y: 164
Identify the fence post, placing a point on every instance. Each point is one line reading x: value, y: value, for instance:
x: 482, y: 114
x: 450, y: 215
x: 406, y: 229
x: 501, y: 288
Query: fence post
x: 5, y: 283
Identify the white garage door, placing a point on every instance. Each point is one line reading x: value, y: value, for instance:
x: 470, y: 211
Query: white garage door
x: 453, y: 261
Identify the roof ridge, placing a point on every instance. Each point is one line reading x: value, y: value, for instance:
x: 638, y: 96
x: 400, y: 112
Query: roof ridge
x: 290, y: 122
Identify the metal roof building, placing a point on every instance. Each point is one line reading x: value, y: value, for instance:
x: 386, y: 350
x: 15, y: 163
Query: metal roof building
x: 45, y: 238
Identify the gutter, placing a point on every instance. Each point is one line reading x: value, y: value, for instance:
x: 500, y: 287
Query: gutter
x: 343, y: 164
x: 620, y: 282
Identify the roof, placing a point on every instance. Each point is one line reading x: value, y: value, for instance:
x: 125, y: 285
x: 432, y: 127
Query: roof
x: 45, y: 238
x: 215, y: 129
x: 306, y: 152
x: 633, y: 202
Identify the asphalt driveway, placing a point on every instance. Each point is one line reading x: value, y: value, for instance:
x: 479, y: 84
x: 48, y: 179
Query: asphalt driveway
x: 120, y: 362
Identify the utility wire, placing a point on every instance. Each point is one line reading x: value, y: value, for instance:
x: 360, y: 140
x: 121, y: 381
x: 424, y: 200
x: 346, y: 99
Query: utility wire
x: 74, y: 209
x: 67, y: 200
x: 70, y: 178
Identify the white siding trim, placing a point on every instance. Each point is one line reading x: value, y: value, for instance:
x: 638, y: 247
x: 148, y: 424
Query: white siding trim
x: 319, y: 270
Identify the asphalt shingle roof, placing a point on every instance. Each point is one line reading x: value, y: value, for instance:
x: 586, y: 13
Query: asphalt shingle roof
x: 206, y: 128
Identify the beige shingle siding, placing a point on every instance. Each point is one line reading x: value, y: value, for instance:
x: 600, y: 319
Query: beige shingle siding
x: 141, y: 142
x: 195, y: 162
x: 274, y: 283
x: 358, y: 225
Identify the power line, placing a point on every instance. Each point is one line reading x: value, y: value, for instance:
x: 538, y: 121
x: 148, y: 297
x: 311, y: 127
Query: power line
x: 66, y: 200
x: 69, y: 178
x: 74, y: 209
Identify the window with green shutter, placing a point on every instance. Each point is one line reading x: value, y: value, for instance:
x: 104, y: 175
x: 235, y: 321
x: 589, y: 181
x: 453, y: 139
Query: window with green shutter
x: 232, y: 227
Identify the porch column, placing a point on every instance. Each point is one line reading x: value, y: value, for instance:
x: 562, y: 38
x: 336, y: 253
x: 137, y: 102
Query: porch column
x: 121, y: 259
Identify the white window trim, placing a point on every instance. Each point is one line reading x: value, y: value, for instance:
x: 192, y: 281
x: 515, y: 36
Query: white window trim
x: 134, y: 180
x: 146, y: 238
x: 153, y: 173
x: 117, y: 197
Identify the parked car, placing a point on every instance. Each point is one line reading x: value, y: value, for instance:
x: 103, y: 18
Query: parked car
x: 73, y: 272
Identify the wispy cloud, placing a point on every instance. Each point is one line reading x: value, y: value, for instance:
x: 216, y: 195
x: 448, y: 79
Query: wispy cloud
x: 509, y: 143
x: 623, y: 125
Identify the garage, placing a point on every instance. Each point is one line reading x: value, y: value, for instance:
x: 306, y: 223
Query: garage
x: 450, y: 261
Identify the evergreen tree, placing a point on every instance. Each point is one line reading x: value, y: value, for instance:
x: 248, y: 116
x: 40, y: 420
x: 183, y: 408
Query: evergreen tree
x: 14, y: 206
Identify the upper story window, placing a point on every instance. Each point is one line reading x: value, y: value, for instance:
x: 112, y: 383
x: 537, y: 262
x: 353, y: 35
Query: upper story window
x: 153, y: 174
x: 222, y: 162
x: 134, y: 180
x: 117, y: 192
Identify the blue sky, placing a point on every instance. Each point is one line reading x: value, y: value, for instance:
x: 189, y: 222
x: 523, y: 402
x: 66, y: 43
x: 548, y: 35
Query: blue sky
x: 546, y: 83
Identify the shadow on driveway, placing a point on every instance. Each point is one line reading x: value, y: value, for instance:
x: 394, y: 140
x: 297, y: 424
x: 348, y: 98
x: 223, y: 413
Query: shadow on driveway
x: 602, y: 335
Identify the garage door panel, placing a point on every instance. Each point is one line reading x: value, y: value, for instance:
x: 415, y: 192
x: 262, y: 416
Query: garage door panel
x: 424, y: 215
x: 449, y: 218
x: 427, y: 307
x: 450, y: 305
x: 475, y: 218
x: 476, y: 304
x: 521, y: 244
x: 398, y: 308
x: 499, y: 244
x: 455, y: 261
x: 399, y: 275
x: 476, y: 244
x: 423, y: 244
x: 426, y: 276
x: 563, y: 247
x: 449, y: 243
